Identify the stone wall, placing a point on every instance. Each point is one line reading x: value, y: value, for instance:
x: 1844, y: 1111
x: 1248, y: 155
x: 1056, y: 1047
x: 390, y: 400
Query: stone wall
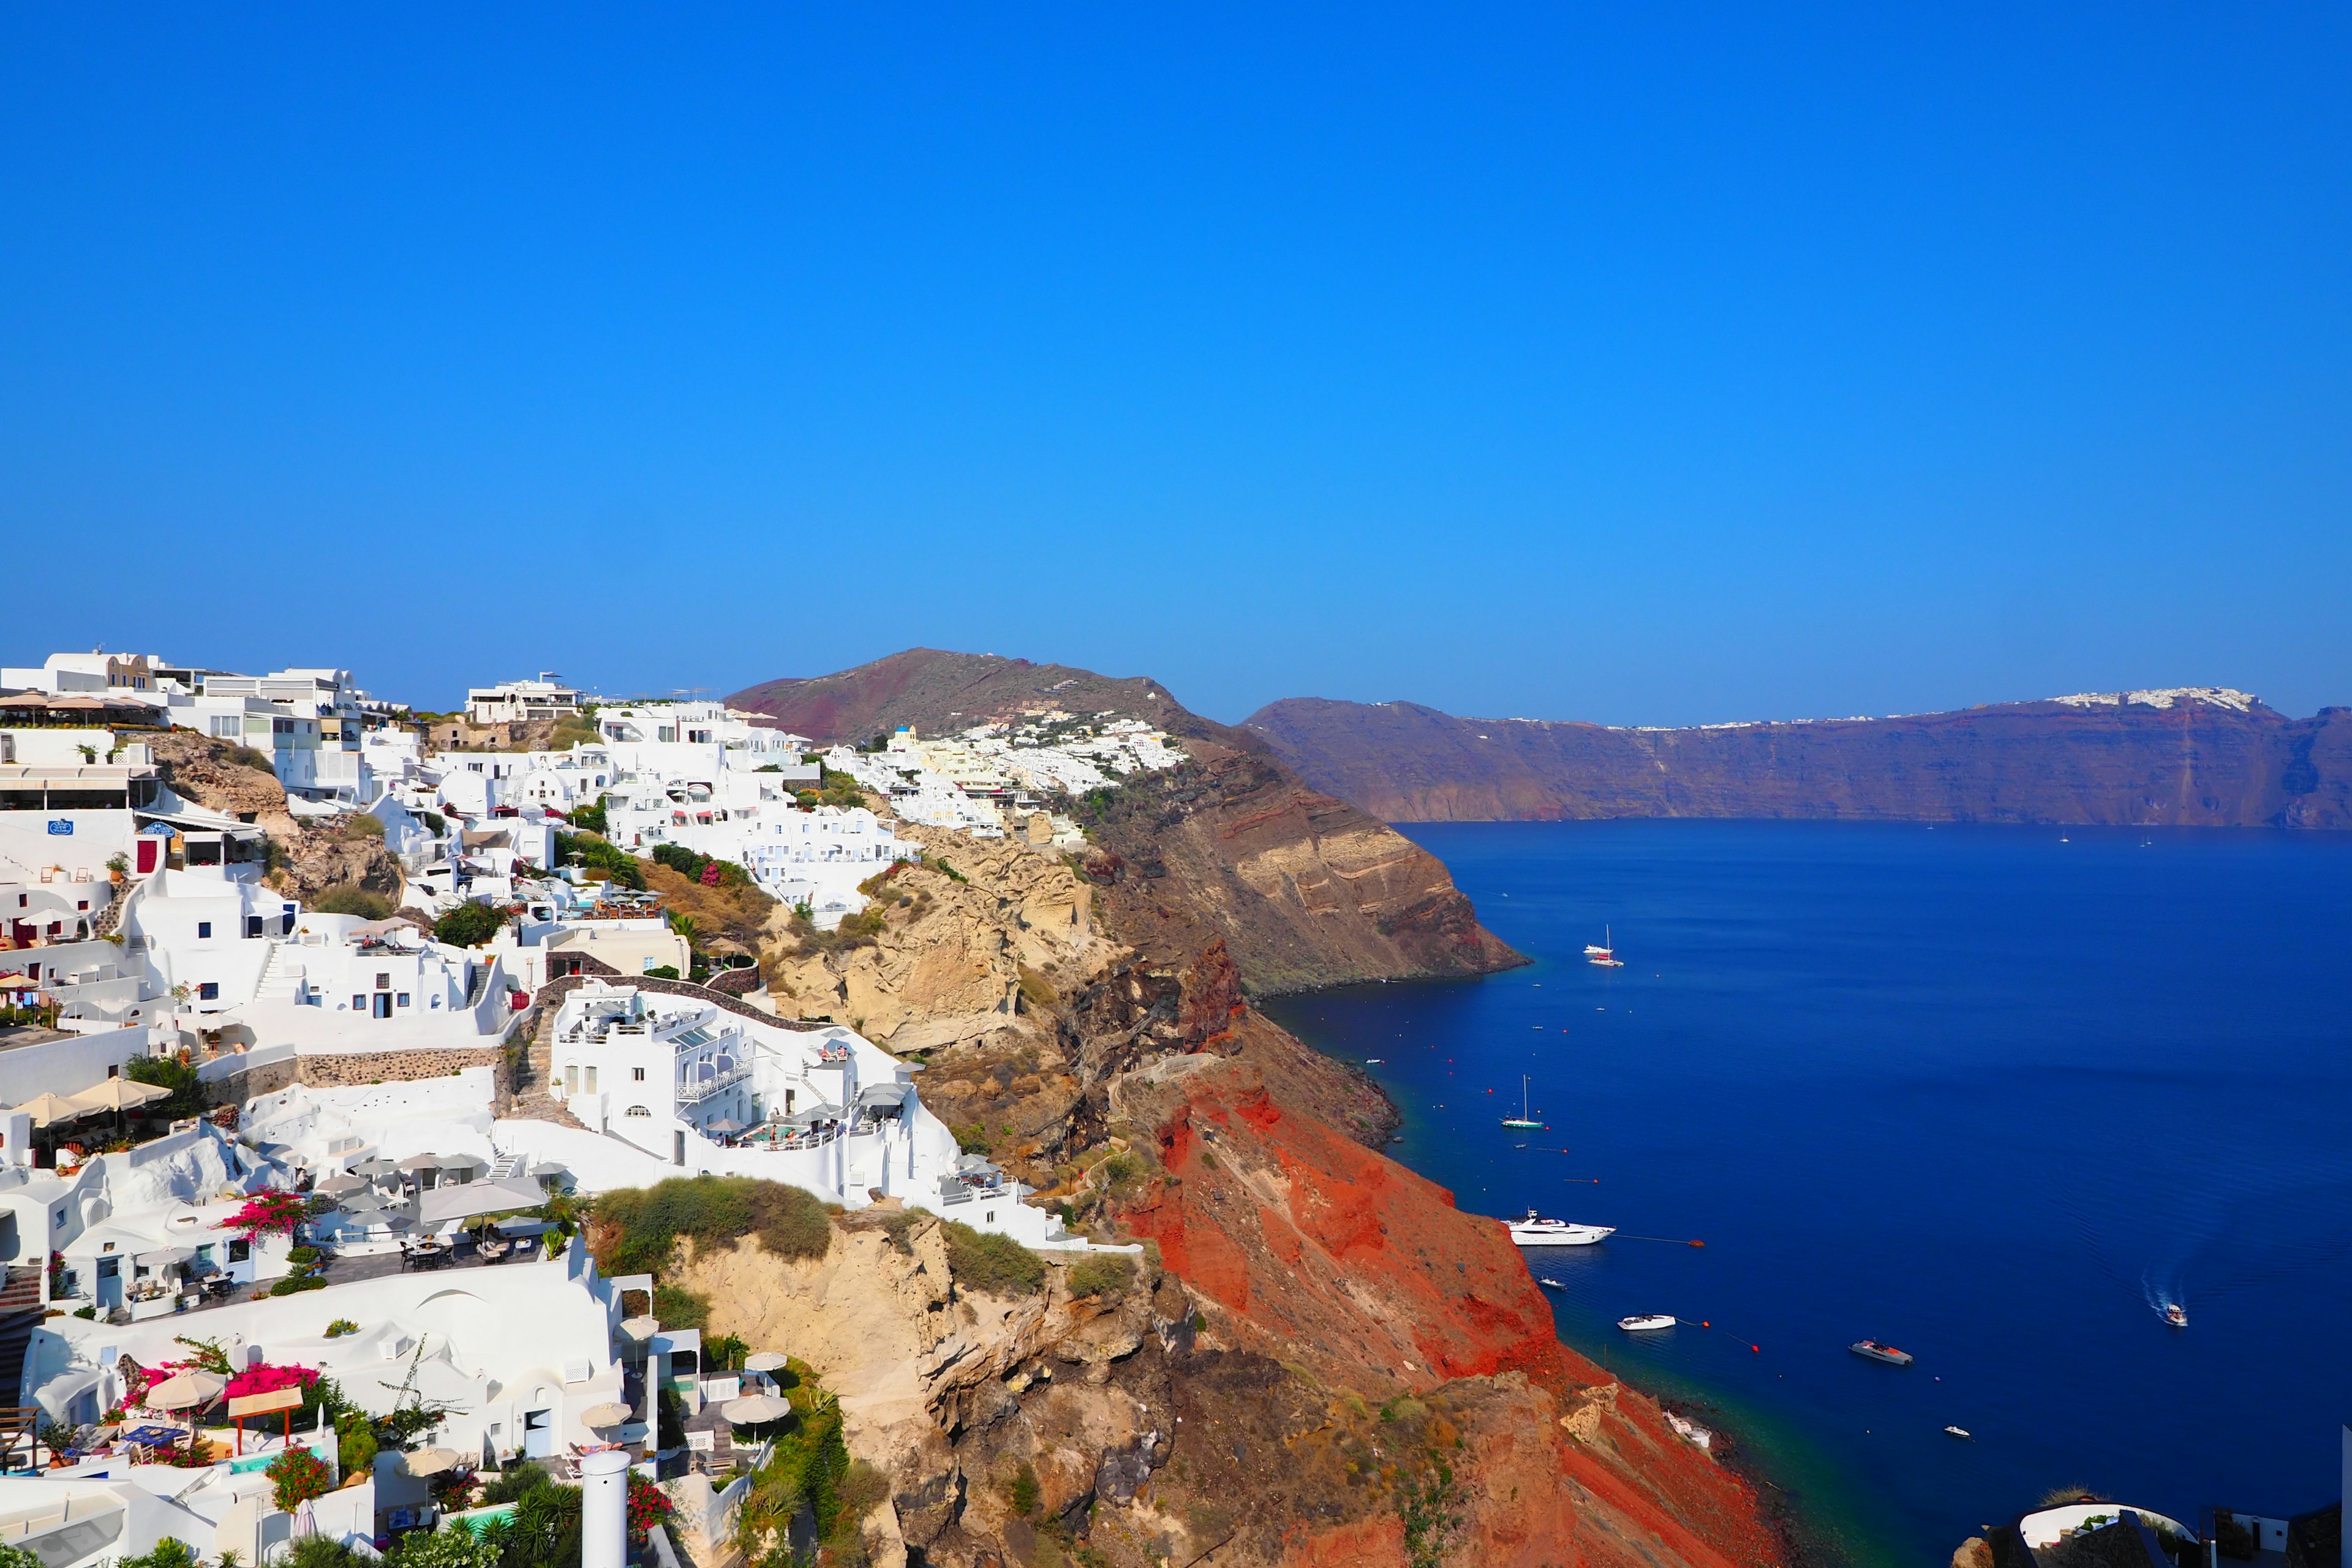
x: 551, y: 994
x: 236, y: 1088
x: 399, y: 1066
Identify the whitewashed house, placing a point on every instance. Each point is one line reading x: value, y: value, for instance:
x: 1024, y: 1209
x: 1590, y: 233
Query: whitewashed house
x: 516, y: 702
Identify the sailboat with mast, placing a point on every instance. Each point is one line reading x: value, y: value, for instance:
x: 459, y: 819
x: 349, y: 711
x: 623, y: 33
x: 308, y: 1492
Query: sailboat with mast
x: 1522, y: 1122
x: 1605, y: 955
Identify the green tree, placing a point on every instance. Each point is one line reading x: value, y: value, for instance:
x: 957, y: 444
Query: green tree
x: 469, y: 925
x: 172, y: 1073
x: 451, y: 1546
x: 350, y: 899
x: 169, y: 1553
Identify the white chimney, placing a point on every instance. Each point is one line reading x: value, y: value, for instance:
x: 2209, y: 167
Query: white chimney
x: 605, y: 1509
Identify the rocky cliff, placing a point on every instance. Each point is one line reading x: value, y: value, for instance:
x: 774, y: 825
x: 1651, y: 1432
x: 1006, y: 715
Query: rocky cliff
x: 1318, y: 1360
x: 2197, y: 757
x: 1303, y: 888
x: 308, y: 860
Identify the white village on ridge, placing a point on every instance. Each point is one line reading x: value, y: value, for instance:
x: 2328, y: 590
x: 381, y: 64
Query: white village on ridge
x: 320, y: 1021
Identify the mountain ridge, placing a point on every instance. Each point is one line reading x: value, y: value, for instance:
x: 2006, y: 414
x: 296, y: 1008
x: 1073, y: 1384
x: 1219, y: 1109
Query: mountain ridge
x: 1303, y: 890
x: 2201, y: 756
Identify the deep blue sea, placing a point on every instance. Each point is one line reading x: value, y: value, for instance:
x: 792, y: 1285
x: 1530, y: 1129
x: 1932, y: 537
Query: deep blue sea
x: 1989, y: 1094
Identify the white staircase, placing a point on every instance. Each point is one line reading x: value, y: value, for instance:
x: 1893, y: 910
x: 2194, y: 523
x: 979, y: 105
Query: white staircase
x: 280, y: 978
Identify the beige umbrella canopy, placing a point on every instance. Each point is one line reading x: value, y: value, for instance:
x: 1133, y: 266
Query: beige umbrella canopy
x: 765, y: 1361
x: 186, y: 1390
x: 431, y: 1461
x: 49, y: 1107
x: 120, y: 1094
x: 611, y: 1412
x: 754, y: 1409
x: 640, y: 1328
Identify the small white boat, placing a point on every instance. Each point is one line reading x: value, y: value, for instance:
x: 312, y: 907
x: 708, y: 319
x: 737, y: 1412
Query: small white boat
x: 1536, y: 1231
x: 1605, y: 955
x: 1374, y: 1061
x: 1523, y: 1120
x: 1548, y: 1283
x: 2176, y: 1314
x: 1960, y: 1432
x: 1643, y: 1322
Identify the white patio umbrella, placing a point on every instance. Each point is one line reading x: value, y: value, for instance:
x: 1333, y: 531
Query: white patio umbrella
x: 306, y: 1522
x: 765, y: 1361
x: 756, y: 1409
x: 640, y: 1328
x: 120, y: 1094
x: 51, y: 1108
x: 185, y: 1390
x: 611, y: 1412
x: 431, y: 1461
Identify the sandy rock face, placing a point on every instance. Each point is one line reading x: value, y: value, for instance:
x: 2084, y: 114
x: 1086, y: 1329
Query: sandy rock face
x: 313, y: 858
x: 946, y: 964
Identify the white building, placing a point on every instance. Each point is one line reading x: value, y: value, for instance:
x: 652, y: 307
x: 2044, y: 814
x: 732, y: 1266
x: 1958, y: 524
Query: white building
x: 513, y: 702
x: 309, y: 721
x: 697, y: 742
x: 819, y: 1106
x: 234, y: 952
x: 129, y: 1225
x: 62, y: 674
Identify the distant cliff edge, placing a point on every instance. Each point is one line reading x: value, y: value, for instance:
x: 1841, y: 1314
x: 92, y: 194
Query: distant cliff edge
x: 1304, y: 891
x: 2185, y: 757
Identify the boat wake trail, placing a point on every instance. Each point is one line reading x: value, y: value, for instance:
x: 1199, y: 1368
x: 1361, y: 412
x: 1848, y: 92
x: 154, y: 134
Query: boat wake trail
x: 2212, y: 1239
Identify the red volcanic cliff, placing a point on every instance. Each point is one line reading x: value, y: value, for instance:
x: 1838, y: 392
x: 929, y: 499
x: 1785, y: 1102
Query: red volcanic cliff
x: 2145, y: 759
x: 1418, y: 1328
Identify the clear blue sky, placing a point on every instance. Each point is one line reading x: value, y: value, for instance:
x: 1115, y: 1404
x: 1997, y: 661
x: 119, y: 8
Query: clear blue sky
x: 1702, y: 364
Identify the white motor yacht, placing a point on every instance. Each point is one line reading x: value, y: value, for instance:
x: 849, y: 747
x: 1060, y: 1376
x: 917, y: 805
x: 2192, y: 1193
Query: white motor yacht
x: 1536, y: 1231
x: 1643, y: 1322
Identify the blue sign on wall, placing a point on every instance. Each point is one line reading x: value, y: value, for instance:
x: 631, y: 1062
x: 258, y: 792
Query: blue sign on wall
x: 61, y: 829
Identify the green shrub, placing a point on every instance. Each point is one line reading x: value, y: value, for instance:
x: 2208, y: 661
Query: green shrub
x: 323, y: 1551
x: 1105, y: 1274
x: 172, y: 1073
x: 350, y: 899
x: 596, y: 854
x: 679, y: 1309
x: 662, y: 972
x: 302, y: 1255
x: 340, y: 1327
x: 361, y: 825
x: 469, y: 925
x: 247, y: 757
x: 992, y: 1264
x: 295, y: 1284
x: 972, y: 1138
x: 1021, y: 1491
x: 789, y: 1221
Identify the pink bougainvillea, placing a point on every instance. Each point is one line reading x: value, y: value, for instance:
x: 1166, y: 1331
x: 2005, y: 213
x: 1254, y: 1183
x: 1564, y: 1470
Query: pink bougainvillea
x: 259, y: 1378
x: 263, y: 1378
x: 271, y: 1213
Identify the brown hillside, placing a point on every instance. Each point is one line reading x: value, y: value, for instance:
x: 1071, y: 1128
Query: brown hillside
x: 1303, y: 888
x: 2193, y: 763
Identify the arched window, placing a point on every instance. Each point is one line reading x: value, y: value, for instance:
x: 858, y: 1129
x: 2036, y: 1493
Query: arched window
x: 637, y: 1110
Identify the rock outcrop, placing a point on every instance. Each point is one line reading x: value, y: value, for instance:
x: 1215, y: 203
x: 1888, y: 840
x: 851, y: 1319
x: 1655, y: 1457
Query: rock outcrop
x: 2141, y: 759
x: 1304, y: 889
x: 309, y: 857
x: 1319, y: 1359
